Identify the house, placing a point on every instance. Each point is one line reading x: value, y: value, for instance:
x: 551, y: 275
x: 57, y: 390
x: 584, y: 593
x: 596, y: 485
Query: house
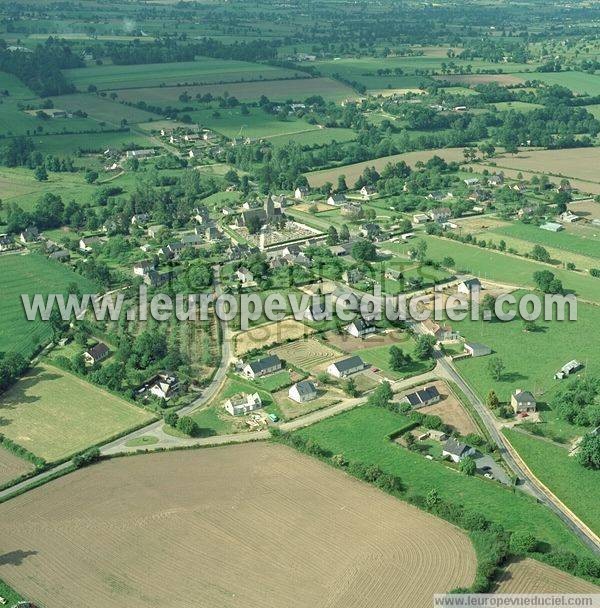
x: 422, y: 397
x: 567, y: 369
x: 471, y: 181
x: 316, y: 312
x: 520, y: 187
x: 351, y: 210
x: 440, y: 214
x: 569, y: 217
x: 394, y: 275
x: 242, y: 403
x: 456, y: 450
x: 367, y: 192
x: 352, y: 276
x: 96, y: 353
x: 61, y: 255
x: 552, y: 227
x: 420, y: 218
x: 191, y: 240
x: 262, y: 367
x: 525, y: 212
x: 154, y: 231
x: 6, y: 242
x: 142, y: 268
x: 441, y: 333
x: 201, y: 215
x: 303, y: 391
x: 478, y: 195
x: 370, y: 231
x: 496, y: 180
x: 336, y: 200
x: 154, y: 278
x: 469, y: 286
x: 346, y: 367
x: 523, y: 401
x: 243, y: 275
x: 359, y: 328
x: 172, y: 250
x: 474, y: 349
x: 301, y: 192
x: 88, y: 243
x: 212, y: 234
x: 292, y: 249
x: 337, y: 250
x: 29, y: 235
x: 164, y: 386
x: 140, y: 218
x: 139, y: 153
x: 440, y: 196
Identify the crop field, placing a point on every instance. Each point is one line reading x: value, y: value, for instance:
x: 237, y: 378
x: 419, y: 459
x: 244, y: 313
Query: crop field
x: 362, y: 435
x: 271, y: 333
x: 578, y: 82
x: 30, y: 274
x: 588, y: 209
x: 276, y: 90
x: 11, y: 466
x: 195, y: 524
x: 559, y: 341
x: 55, y: 414
x: 531, y: 576
x: 575, y: 485
x: 102, y: 109
x: 204, y: 70
x: 310, y: 354
x: 472, y: 79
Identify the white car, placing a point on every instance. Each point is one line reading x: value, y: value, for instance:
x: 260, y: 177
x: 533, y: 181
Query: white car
x: 488, y: 476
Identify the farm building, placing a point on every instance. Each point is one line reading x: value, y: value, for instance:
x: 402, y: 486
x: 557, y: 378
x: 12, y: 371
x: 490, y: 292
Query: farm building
x: 346, y: 367
x: 88, y: 244
x: 359, y: 328
x: 475, y: 349
x: 420, y: 218
x: 456, y: 450
x: 422, y: 397
x: 139, y: 218
x: 468, y: 286
x: 523, y: 401
x: 471, y: 181
x: 29, y: 235
x: 262, y: 367
x: 301, y: 192
x: 569, y: 217
x: 96, y: 353
x: 336, y: 199
x: 303, y: 391
x: 567, y: 369
x: 367, y: 192
x: 552, y: 227
x: 440, y: 214
x: 139, y: 153
x: 243, y: 275
x: 242, y: 403
x: 352, y: 276
x: 61, y: 255
x: 440, y: 332
x: 153, y: 278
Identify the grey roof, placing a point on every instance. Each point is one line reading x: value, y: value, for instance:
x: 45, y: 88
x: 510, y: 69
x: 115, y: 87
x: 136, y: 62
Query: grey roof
x: 455, y: 447
x: 266, y: 363
x: 305, y: 387
x: 523, y: 397
x: 349, y: 363
x: 470, y: 283
x: 98, y: 351
x: 423, y: 396
x: 361, y: 324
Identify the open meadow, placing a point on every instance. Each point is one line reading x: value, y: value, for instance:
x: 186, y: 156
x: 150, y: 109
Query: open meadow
x: 196, y: 524
x: 55, y: 414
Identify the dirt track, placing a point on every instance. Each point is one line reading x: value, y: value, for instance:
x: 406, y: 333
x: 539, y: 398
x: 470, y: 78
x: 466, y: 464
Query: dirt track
x: 248, y: 526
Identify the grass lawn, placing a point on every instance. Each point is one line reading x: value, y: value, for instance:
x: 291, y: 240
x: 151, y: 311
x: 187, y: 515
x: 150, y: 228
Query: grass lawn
x: 67, y: 145
x: 531, y: 358
x: 576, y: 486
x: 362, y: 435
x: 318, y: 137
x: 30, y: 274
x: 55, y: 414
x: 380, y: 357
x: 140, y: 442
x: 578, y: 82
x: 274, y: 382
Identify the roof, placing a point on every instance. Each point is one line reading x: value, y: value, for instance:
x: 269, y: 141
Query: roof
x: 422, y: 396
x: 470, y: 283
x: 98, y: 351
x: 477, y: 346
x: 349, y: 363
x: 455, y: 447
x: 523, y: 396
x: 361, y: 325
x: 305, y: 387
x: 263, y: 364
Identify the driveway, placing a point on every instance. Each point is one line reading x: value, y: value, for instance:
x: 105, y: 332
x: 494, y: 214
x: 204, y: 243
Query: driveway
x: 486, y: 464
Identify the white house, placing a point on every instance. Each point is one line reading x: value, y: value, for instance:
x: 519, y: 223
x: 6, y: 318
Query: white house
x: 469, y: 286
x: 456, y: 450
x: 303, y: 391
x: 244, y: 275
x: 359, y: 328
x: 346, y: 367
x: 262, y: 367
x: 336, y: 200
x: 300, y: 193
x: 164, y: 386
x: 87, y: 244
x: 242, y: 403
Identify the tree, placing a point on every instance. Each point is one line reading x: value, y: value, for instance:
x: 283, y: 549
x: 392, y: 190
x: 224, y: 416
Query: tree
x: 467, y: 466
x: 41, y: 174
x: 171, y: 418
x: 448, y: 262
x: 398, y: 359
x: 540, y: 254
x: 332, y: 236
x: 424, y: 346
x: 364, y: 251
x: 382, y: 395
x: 419, y: 250
x: 187, y: 425
x: 546, y: 281
x: 432, y: 499
x: 492, y: 400
x: 588, y: 454
x: 496, y: 368
x: 341, y: 185
x: 351, y: 389
x: 522, y: 542
x: 344, y: 234
x: 253, y: 224
x: 91, y: 176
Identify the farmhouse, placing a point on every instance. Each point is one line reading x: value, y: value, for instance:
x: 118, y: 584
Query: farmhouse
x: 440, y: 332
x: 568, y: 368
x: 140, y: 218
x: 164, y: 386
x: 303, y: 391
x: 420, y: 218
x: 142, y: 268
x: 359, y: 328
x: 422, y: 397
x: 139, y: 153
x: 569, y: 217
x: 243, y: 275
x: 336, y: 199
x: 367, y: 192
x: 471, y: 181
x: 474, y: 349
x: 370, y: 230
x: 522, y: 401
x: 352, y: 276
x: 6, y: 242
x: 346, y: 367
x: 496, y: 180
x: 96, y: 353
x: 242, y: 403
x: 88, y: 243
x: 440, y: 214
x: 29, y: 235
x: 456, y: 450
x: 351, y: 209
x: 154, y: 278
x: 263, y: 367
x: 469, y: 286
x: 301, y: 192
x: 154, y: 231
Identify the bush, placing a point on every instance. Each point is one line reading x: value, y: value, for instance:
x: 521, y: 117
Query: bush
x: 187, y: 425
x: 86, y: 458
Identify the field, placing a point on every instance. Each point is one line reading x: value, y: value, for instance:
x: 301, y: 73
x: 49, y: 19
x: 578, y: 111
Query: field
x: 362, y: 435
x: 316, y: 137
x: 353, y: 172
x: 196, y: 524
x: 66, y: 145
x: 11, y: 466
x: 310, y: 354
x: 578, y: 82
x: 202, y: 71
x: 270, y: 333
x: 30, y: 274
x: 472, y: 79
x: 450, y: 410
x: 55, y: 414
x: 576, y: 486
x: 291, y: 409
x: 530, y: 576
x: 275, y: 90
x: 379, y: 357
x: 558, y: 341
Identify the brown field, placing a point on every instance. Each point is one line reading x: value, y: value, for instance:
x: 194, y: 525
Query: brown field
x: 310, y: 354
x: 276, y: 90
x: 450, y: 410
x: 305, y: 207
x: 529, y: 576
x: 503, y: 79
x: 270, y: 333
x: 350, y: 344
x: 250, y: 525
x: 587, y: 209
x: 477, y: 223
x: 353, y: 172
x: 12, y: 466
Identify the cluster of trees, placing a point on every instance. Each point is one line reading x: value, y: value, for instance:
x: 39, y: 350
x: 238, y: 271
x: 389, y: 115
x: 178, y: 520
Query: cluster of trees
x: 577, y: 401
x: 12, y: 365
